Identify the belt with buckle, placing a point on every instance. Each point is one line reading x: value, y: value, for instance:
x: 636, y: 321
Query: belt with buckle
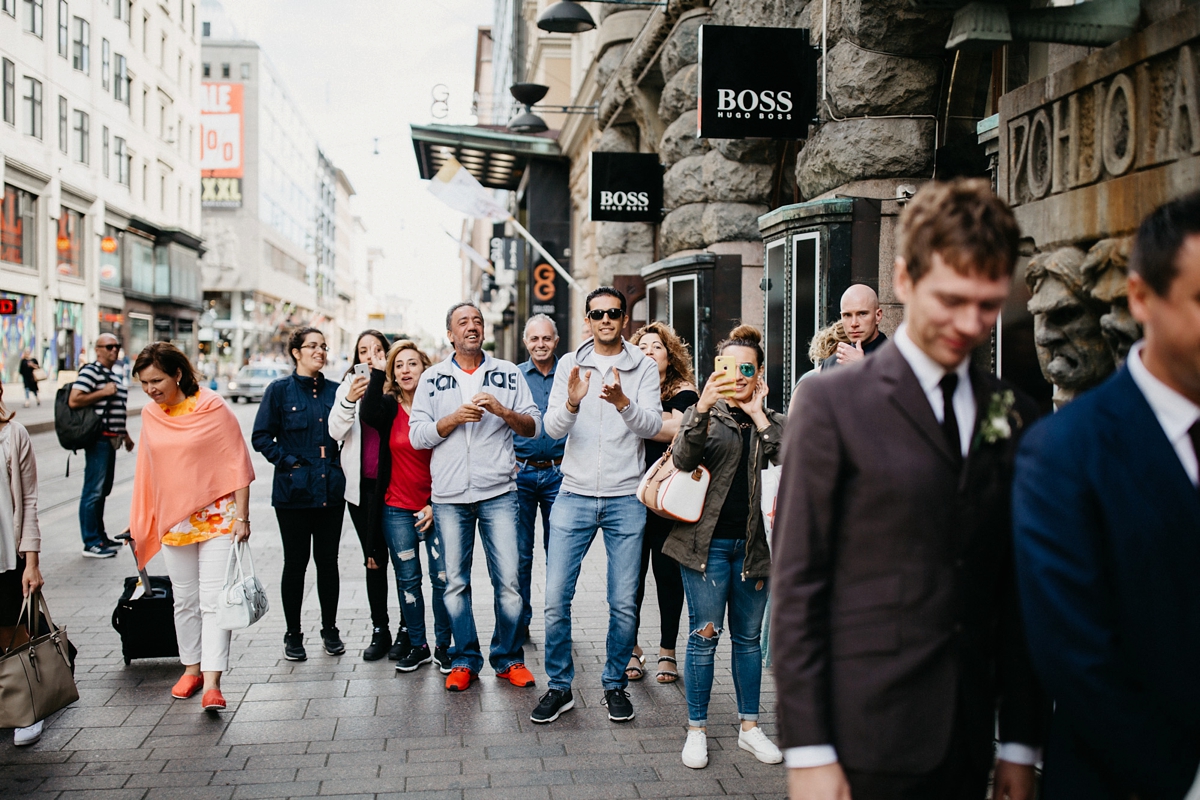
x: 554, y: 462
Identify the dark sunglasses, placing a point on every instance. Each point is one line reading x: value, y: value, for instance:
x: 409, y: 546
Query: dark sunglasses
x: 109, y: 346
x: 747, y: 369
x: 597, y: 314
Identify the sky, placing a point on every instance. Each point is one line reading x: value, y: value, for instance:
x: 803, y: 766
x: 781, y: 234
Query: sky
x: 361, y: 69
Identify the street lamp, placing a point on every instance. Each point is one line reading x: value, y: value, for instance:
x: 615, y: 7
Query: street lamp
x: 567, y: 16
x: 527, y: 94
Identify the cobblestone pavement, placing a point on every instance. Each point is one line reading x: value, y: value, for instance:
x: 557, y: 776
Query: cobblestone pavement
x: 342, y: 726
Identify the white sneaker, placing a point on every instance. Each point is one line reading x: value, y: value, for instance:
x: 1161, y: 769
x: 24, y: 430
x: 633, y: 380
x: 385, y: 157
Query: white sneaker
x: 27, y: 736
x: 757, y: 742
x: 695, y: 750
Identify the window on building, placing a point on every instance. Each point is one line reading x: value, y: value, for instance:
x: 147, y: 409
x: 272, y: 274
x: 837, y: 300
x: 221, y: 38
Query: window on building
x: 145, y: 34
x: 121, y: 153
x: 162, y: 192
x: 162, y: 51
x: 206, y: 29
x: 245, y: 72
x: 105, y: 65
x: 62, y: 123
x: 191, y: 79
x: 68, y: 244
x: 206, y: 68
x: 179, y: 67
x: 104, y: 150
x: 163, y: 133
x: 193, y: 20
x: 110, y: 257
x: 178, y: 133
x: 224, y: 70
x: 33, y: 107
x: 18, y: 211
x: 141, y: 264
x: 10, y: 8
x: 121, y: 80
x: 82, y: 144
x: 145, y: 109
x: 33, y: 16
x: 64, y: 17
x: 145, y: 179
x: 10, y: 92
x: 81, y: 54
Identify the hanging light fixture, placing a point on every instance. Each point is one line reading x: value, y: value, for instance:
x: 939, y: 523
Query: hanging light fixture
x: 566, y: 16
x: 527, y: 94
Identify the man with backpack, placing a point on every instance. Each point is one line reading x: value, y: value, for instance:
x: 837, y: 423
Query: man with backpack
x: 99, y: 388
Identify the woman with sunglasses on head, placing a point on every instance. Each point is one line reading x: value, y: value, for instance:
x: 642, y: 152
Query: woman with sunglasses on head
x: 361, y: 449
x: 724, y: 556
x: 659, y: 341
x: 292, y: 431
x: 191, y: 500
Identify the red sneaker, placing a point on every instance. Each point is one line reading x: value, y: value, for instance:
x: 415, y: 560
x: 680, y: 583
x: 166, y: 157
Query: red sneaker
x: 187, y: 686
x: 213, y: 700
x: 517, y: 675
x: 459, y: 679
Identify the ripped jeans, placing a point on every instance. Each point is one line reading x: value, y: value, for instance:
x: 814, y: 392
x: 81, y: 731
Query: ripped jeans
x: 403, y: 540
x: 708, y: 594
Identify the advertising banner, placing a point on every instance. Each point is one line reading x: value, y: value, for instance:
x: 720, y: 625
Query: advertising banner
x: 221, y: 145
x: 756, y: 83
x: 626, y: 187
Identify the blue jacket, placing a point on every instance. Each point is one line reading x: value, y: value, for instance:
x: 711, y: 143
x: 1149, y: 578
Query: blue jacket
x: 1107, y: 540
x: 292, y: 431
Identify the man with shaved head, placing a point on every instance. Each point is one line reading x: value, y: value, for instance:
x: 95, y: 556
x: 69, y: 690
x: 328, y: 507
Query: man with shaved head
x: 101, y: 388
x: 861, y: 316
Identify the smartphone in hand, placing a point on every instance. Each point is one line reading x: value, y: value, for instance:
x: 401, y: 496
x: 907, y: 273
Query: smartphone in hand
x: 727, y: 365
x: 362, y: 370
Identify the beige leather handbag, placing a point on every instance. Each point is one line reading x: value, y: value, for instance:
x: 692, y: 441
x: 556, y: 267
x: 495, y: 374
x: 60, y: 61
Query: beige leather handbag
x: 35, y: 671
x: 672, y: 493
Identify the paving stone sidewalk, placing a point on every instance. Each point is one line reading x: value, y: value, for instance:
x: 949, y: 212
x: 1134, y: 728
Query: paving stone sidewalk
x: 345, y: 727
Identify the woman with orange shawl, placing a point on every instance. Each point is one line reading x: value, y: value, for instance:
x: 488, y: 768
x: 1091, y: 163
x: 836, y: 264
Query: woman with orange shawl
x: 191, y: 492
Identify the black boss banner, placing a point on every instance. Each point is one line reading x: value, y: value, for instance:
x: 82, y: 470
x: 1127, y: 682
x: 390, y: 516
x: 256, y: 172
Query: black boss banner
x: 626, y: 187
x: 756, y: 83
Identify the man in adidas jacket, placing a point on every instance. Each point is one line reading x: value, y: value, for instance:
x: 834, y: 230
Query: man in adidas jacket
x: 605, y: 400
x: 466, y: 410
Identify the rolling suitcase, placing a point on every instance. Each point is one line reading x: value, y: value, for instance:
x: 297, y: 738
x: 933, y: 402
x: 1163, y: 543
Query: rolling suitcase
x: 145, y: 615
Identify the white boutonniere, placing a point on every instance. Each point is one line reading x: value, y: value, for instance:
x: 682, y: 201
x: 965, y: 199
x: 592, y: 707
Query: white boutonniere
x: 999, y: 419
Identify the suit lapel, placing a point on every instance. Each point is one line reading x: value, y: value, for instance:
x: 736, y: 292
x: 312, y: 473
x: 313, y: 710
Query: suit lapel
x: 910, y: 400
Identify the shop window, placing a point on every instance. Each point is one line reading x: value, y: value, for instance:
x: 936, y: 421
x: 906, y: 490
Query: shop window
x: 110, y: 257
x: 67, y: 244
x: 139, y: 332
x: 162, y: 272
x: 18, y: 211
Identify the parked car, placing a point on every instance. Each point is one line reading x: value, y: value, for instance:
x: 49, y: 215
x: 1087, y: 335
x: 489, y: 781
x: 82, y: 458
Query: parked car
x: 251, y: 381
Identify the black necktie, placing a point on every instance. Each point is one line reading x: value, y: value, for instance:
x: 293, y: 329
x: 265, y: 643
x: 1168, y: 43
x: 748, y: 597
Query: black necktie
x: 1194, y: 434
x: 949, y: 383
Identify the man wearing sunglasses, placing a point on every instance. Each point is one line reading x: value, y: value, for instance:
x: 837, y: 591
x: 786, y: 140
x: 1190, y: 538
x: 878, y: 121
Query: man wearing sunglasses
x: 605, y: 400
x: 99, y: 387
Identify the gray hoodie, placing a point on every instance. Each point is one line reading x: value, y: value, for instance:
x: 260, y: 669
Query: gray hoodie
x: 605, y: 453
x: 476, y: 461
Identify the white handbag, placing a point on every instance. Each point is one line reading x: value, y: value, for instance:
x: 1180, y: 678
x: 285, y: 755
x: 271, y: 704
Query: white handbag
x: 243, y: 600
x: 669, y: 492
x: 769, y: 479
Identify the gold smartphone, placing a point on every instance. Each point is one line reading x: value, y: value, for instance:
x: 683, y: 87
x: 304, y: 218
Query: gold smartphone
x: 727, y: 365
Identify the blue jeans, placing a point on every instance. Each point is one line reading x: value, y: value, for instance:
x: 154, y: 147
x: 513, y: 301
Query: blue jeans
x: 100, y: 463
x: 708, y: 594
x: 497, y: 520
x: 573, y: 524
x: 536, y: 489
x: 403, y: 541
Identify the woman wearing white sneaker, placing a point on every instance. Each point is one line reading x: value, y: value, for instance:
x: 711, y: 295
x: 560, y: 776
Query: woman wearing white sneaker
x: 20, y: 538
x: 724, y: 556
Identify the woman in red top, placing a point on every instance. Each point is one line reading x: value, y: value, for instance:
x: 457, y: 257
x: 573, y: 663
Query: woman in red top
x: 404, y: 488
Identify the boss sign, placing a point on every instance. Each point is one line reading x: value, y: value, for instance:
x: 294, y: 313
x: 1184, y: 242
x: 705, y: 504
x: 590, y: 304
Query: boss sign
x: 626, y: 187
x: 221, y: 130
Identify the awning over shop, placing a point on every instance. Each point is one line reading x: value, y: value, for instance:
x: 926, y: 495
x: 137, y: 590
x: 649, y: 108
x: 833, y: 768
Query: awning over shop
x: 494, y: 156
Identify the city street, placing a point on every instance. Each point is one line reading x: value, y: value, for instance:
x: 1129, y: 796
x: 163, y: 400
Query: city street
x: 342, y: 726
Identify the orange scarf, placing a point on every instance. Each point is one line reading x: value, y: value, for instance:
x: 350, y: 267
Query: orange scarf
x: 183, y: 464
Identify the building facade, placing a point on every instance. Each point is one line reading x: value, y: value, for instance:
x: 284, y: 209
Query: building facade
x: 100, y: 217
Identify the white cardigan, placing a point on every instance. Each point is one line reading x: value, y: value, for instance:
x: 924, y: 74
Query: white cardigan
x: 21, y: 478
x: 345, y: 428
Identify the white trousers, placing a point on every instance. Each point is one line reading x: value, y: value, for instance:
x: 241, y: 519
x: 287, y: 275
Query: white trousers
x: 197, y: 575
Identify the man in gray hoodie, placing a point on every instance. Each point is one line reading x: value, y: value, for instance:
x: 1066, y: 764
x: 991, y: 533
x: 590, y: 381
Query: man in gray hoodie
x: 605, y: 400
x: 466, y: 410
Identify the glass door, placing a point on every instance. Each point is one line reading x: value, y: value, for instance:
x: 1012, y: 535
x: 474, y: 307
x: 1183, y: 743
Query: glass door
x: 685, y: 316
x: 775, y: 323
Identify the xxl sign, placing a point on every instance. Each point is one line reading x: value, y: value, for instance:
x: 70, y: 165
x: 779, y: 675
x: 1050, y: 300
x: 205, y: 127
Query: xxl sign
x: 756, y: 83
x: 626, y: 187
x: 1087, y: 152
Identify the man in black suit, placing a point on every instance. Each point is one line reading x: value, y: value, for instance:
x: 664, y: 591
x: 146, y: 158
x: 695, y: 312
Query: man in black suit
x: 861, y: 316
x: 1107, y: 534
x: 895, y: 631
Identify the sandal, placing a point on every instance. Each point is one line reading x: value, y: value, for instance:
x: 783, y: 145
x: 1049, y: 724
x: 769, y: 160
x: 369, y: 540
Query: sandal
x: 666, y: 675
x: 636, y: 673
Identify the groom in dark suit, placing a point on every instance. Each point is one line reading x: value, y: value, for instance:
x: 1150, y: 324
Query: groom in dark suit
x: 1107, y: 533
x: 895, y: 632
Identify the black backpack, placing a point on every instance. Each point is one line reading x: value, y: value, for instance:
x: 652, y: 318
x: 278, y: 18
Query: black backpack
x: 77, y: 428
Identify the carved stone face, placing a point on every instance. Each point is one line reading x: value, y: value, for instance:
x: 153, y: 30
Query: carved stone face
x: 1071, y: 346
x: 1105, y: 273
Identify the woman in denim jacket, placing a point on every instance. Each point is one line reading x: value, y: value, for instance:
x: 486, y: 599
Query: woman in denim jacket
x: 292, y: 431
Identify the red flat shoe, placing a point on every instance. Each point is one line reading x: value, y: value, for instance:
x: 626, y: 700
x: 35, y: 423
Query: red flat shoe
x: 187, y: 686
x: 213, y: 700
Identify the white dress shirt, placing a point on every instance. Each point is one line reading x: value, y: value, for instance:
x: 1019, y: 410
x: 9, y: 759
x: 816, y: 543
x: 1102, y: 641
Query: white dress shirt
x: 929, y: 374
x: 1174, y: 412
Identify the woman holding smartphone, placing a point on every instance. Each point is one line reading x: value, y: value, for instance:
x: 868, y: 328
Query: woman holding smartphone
x: 724, y: 557
x: 403, y: 495
x: 360, y: 461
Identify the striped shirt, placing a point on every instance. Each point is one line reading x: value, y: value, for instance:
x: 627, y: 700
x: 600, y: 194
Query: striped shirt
x: 112, y: 408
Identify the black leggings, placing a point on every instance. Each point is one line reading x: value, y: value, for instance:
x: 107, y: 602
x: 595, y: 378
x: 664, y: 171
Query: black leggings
x: 667, y: 578
x: 377, y: 582
x: 319, y: 531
